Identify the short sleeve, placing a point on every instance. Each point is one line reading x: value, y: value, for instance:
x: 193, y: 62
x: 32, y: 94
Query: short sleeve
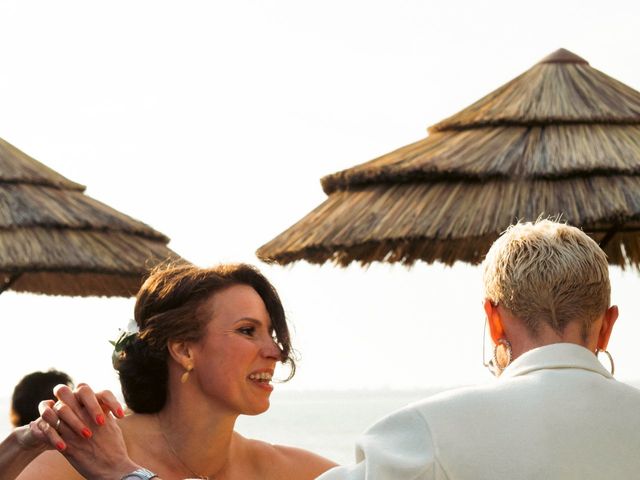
x: 399, y: 447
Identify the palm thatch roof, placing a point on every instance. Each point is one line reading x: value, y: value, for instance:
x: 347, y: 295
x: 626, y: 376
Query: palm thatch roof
x: 560, y: 139
x: 55, y: 240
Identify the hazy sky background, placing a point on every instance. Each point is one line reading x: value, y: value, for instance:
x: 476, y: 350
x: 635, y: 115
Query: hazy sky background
x: 214, y: 121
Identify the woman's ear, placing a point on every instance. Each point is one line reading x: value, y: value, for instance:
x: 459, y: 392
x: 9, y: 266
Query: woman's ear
x: 609, y: 320
x: 180, y: 351
x: 494, y: 319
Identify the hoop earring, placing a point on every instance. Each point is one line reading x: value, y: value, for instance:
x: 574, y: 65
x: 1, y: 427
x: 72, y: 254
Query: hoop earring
x: 185, y: 376
x: 502, y: 354
x: 613, y: 368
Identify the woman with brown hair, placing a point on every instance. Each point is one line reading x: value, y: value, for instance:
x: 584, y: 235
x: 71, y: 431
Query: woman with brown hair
x: 205, y: 353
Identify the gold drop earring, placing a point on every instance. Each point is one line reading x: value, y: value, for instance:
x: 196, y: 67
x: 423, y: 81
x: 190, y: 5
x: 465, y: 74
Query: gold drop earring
x: 185, y: 376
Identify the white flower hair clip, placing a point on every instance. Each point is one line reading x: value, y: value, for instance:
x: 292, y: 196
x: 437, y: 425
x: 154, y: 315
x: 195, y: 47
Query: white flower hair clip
x: 125, y: 338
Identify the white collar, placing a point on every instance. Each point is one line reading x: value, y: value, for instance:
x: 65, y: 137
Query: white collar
x: 556, y: 355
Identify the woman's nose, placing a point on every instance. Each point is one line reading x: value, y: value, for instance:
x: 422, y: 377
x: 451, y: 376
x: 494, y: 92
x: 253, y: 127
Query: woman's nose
x: 271, y: 349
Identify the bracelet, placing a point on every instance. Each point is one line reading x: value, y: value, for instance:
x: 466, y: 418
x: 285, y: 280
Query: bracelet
x: 140, y: 474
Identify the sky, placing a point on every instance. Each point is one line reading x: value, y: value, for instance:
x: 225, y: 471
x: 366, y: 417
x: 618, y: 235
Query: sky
x: 213, y: 122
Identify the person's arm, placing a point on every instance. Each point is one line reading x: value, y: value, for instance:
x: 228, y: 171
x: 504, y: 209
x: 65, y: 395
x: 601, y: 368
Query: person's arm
x: 19, y: 449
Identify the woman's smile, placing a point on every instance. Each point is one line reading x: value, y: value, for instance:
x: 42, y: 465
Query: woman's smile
x: 262, y: 379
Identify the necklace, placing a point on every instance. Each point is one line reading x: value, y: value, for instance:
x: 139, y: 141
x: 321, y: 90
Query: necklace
x: 175, y: 454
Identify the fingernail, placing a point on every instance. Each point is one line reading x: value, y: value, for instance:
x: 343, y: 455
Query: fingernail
x: 120, y: 413
x: 100, y: 419
x: 86, y: 433
x: 60, y: 446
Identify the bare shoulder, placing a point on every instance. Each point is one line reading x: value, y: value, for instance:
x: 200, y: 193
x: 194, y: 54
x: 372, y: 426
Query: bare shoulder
x: 50, y: 465
x: 300, y: 459
x: 289, y: 462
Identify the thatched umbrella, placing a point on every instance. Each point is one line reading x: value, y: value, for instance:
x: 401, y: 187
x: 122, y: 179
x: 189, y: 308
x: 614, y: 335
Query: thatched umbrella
x: 561, y: 139
x: 57, y: 241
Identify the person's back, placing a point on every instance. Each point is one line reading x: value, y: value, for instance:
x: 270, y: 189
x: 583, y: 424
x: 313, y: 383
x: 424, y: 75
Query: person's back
x: 554, y: 413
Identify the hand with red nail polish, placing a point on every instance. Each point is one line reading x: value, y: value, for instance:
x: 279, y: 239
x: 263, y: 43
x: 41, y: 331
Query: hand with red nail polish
x: 101, y: 453
x: 91, y: 440
x: 82, y: 426
x: 70, y: 426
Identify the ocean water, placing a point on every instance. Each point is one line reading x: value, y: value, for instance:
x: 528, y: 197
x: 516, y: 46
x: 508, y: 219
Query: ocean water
x: 327, y: 423
x: 324, y: 422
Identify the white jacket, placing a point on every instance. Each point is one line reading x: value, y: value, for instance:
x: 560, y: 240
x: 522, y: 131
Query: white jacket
x: 554, y: 413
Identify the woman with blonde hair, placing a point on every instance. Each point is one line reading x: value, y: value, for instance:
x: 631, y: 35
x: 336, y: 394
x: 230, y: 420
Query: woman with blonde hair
x: 554, y: 412
x: 205, y: 353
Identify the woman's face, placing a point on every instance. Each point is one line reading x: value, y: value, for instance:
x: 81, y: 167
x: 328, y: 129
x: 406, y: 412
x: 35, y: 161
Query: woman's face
x: 235, y: 360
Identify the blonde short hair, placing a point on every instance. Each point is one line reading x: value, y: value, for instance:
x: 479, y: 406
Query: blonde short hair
x: 548, y: 272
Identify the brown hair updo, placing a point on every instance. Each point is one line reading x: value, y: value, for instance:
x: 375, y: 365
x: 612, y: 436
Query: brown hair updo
x: 167, y: 309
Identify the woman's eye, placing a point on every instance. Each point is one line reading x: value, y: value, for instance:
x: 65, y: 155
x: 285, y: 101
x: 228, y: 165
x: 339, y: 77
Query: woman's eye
x: 249, y: 331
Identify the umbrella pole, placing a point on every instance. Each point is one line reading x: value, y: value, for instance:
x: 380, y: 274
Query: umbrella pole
x: 8, y: 281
